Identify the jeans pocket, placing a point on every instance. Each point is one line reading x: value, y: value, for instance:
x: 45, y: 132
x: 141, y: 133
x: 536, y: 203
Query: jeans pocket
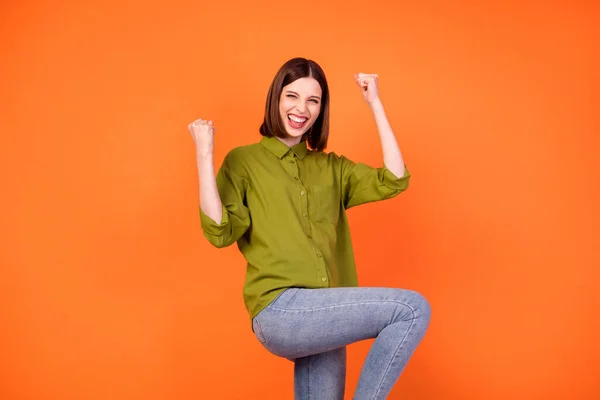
x: 258, y: 330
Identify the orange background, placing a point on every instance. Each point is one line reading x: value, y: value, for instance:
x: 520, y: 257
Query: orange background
x: 110, y: 291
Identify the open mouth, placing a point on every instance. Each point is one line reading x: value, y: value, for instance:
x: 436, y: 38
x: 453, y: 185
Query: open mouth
x: 296, y: 122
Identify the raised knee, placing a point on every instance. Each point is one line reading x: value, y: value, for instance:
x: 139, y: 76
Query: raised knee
x: 420, y: 305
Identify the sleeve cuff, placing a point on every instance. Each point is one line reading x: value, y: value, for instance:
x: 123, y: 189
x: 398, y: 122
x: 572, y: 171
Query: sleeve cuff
x: 389, y: 176
x: 210, y: 226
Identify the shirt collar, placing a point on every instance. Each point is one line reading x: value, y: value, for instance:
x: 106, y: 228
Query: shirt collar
x: 280, y: 149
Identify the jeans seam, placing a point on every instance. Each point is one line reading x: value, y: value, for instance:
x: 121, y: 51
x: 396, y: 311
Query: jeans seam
x: 308, y: 379
x: 276, y: 298
x: 272, y: 307
x: 259, y: 331
x: 412, y: 322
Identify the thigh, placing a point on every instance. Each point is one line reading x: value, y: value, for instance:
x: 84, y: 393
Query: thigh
x: 302, y: 322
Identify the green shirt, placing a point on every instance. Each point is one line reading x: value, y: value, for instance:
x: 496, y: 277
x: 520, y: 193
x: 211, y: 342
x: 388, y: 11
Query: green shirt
x: 286, y: 209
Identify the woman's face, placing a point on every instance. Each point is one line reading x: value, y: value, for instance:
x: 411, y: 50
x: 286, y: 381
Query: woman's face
x: 299, y: 106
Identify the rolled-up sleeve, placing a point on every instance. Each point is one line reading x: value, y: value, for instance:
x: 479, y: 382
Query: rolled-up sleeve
x: 363, y: 184
x: 235, y: 219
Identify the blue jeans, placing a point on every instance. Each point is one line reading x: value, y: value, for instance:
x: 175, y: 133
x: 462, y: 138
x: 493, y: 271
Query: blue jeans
x: 312, y: 327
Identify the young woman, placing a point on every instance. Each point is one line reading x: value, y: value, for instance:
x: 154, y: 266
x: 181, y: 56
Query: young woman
x: 284, y: 201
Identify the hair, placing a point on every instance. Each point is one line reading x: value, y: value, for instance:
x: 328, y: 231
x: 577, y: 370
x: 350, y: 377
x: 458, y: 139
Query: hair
x: 296, y: 68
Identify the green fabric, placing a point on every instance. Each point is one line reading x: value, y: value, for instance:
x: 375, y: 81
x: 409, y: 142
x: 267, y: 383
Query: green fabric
x: 286, y: 209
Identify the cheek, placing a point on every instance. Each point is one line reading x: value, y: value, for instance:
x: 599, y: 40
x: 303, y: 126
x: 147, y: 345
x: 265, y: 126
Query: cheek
x: 315, y: 110
x: 284, y: 105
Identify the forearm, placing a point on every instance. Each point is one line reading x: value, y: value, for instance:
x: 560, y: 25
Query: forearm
x: 392, y: 157
x: 210, y: 202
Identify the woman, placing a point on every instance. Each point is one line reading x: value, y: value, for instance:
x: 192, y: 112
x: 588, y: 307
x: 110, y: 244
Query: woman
x: 285, y: 206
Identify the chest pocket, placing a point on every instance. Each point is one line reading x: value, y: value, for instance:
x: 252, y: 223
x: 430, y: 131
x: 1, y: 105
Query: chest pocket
x: 323, y: 204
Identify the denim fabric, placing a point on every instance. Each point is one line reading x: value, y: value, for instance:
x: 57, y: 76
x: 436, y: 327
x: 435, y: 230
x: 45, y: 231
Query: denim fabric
x: 312, y: 327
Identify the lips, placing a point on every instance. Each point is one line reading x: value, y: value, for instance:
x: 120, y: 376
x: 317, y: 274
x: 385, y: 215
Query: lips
x: 296, y: 122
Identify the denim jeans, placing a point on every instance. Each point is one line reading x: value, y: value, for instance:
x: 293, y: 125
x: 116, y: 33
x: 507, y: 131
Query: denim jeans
x: 311, y: 327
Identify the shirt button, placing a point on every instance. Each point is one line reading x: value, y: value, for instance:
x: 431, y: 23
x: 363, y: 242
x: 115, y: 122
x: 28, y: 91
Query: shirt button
x: 296, y: 178
x: 304, y: 214
x: 302, y: 193
x: 319, y: 255
x: 292, y: 161
x: 309, y: 236
x: 323, y: 279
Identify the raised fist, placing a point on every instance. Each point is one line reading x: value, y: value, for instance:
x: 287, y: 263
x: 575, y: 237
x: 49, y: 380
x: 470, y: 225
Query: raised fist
x: 203, y: 132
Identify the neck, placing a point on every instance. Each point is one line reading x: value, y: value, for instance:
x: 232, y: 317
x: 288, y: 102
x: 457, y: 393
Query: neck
x: 290, y: 141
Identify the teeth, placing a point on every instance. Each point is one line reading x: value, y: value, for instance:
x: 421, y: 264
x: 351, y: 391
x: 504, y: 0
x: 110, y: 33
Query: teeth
x: 296, y: 119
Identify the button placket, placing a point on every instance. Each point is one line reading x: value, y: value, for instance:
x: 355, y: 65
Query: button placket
x: 304, y: 210
x: 303, y: 194
x: 294, y: 166
x: 322, y: 269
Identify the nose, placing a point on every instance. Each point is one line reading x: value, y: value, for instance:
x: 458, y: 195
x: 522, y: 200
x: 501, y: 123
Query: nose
x: 301, y: 107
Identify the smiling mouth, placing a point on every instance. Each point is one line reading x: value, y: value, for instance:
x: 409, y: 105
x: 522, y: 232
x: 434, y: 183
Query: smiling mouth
x: 299, y: 120
x: 296, y: 122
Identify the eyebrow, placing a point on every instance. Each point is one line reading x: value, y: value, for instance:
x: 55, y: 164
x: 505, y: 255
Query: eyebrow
x: 291, y: 91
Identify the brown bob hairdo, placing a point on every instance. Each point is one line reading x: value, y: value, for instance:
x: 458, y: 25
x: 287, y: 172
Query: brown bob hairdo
x: 296, y: 68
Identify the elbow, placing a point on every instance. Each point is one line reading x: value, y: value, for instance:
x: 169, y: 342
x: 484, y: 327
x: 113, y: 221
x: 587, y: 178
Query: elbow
x: 222, y: 245
x: 404, y: 185
x: 226, y: 235
x: 218, y: 241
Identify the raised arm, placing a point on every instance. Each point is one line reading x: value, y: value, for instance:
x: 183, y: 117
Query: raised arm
x: 223, y: 212
x: 392, y: 157
x: 362, y: 183
x: 203, y: 134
